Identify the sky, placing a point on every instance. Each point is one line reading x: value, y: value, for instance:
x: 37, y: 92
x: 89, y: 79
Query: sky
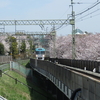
x: 51, y: 9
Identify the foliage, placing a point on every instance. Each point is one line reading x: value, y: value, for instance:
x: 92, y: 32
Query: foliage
x: 12, y: 91
x: 33, y: 48
x: 13, y: 46
x: 23, y: 47
x: 30, y: 40
x: 25, y: 63
x: 1, y: 49
x: 87, y: 46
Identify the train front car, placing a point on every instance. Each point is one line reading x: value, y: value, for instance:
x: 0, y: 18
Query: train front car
x: 40, y: 53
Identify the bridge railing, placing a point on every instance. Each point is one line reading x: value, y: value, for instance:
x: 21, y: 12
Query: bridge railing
x: 88, y: 64
x: 57, y: 74
x: 68, y: 80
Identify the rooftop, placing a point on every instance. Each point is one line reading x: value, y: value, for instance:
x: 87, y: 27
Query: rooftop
x: 78, y: 31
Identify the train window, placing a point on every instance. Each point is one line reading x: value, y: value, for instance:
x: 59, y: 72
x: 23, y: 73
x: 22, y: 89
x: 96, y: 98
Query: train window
x: 40, y: 52
x: 37, y: 52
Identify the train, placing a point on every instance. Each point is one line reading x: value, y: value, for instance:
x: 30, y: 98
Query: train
x: 40, y: 53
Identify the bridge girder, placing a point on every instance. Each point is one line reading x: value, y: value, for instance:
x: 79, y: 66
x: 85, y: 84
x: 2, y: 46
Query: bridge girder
x: 34, y: 22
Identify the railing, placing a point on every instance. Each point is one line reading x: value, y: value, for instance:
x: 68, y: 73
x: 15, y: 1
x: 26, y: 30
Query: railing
x: 27, y: 72
x: 83, y: 64
x: 4, y: 67
x: 5, y: 59
x: 66, y: 79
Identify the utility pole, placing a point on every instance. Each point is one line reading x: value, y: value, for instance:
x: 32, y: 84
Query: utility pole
x: 54, y: 40
x: 15, y: 26
x: 19, y: 39
x: 72, y: 22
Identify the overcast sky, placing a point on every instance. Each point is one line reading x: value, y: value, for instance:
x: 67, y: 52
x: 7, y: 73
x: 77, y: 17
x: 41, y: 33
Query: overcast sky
x: 51, y: 9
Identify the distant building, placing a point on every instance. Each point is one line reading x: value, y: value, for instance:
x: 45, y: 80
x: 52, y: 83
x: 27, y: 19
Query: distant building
x: 78, y: 31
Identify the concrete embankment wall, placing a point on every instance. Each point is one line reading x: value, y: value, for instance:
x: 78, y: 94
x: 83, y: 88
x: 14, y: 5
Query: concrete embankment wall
x: 69, y: 81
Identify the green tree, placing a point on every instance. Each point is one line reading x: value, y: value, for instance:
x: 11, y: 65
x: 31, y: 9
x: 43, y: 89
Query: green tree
x: 32, y: 47
x: 1, y: 49
x: 23, y: 47
x: 13, y: 46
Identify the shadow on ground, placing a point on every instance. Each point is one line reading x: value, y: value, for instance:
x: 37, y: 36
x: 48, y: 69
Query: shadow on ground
x: 37, y: 86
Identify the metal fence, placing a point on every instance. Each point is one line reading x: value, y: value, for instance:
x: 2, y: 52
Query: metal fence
x: 88, y: 64
x: 27, y: 72
x: 4, y: 66
x: 5, y: 59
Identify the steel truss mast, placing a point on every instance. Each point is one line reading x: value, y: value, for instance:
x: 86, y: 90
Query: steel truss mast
x: 34, y: 22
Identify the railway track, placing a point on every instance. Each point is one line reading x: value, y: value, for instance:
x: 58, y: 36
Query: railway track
x: 90, y: 65
x: 90, y: 74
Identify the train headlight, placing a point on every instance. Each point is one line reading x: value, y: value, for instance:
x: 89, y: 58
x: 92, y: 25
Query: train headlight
x: 36, y: 55
x: 43, y: 55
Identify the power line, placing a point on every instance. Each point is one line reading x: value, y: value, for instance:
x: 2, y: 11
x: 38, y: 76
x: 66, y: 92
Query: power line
x: 88, y: 9
x: 65, y: 12
x: 94, y: 5
x: 82, y: 3
x: 89, y: 14
x: 89, y: 5
x: 89, y: 17
x: 63, y: 23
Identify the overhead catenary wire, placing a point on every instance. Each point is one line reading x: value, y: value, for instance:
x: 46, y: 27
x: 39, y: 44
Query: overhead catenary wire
x: 88, y: 14
x: 85, y: 9
x: 65, y: 12
x: 89, y: 8
x: 93, y: 3
x: 63, y: 23
x: 89, y: 17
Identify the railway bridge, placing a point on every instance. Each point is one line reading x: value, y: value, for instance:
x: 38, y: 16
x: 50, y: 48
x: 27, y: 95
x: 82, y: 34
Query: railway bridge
x: 69, y: 83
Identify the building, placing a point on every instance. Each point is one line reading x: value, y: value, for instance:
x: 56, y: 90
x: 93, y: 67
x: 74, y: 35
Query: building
x: 78, y: 31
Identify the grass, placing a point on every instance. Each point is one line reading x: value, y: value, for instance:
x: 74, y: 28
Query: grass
x: 24, y: 63
x: 12, y: 91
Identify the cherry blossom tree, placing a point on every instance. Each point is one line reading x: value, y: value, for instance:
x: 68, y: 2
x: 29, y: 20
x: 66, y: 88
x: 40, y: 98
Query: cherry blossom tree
x: 87, y: 46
